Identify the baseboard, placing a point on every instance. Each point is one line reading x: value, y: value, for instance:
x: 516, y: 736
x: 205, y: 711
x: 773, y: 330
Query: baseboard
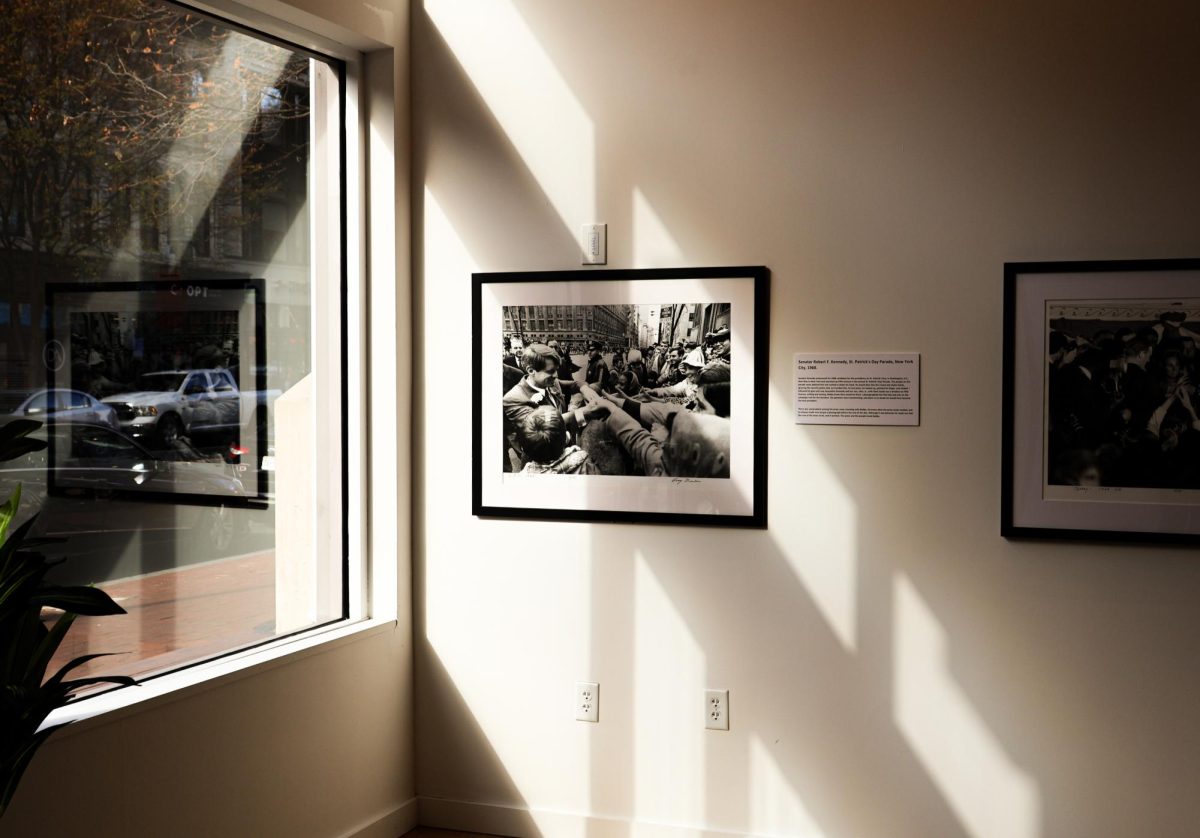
x: 540, y: 823
x: 391, y: 824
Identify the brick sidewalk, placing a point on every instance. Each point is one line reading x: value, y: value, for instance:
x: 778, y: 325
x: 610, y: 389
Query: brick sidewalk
x: 177, y: 617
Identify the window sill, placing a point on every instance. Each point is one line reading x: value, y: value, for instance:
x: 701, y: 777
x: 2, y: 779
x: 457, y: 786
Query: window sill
x: 121, y: 703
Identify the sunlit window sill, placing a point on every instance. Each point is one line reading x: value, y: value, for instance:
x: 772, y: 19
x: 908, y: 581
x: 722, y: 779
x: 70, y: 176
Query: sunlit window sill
x: 121, y: 703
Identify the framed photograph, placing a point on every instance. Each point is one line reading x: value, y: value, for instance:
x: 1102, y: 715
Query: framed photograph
x: 1101, y: 405
x: 622, y: 395
x: 157, y: 390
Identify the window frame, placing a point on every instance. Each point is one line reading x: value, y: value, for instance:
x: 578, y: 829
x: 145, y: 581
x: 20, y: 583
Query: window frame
x: 370, y: 548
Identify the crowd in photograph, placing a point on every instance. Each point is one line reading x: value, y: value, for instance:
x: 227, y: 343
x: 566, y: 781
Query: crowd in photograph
x: 659, y: 410
x: 1122, y: 408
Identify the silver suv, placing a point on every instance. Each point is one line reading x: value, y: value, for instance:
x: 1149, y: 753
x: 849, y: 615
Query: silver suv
x: 167, y: 405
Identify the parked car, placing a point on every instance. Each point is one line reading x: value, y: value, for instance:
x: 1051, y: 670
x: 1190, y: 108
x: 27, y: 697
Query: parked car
x: 58, y: 405
x: 125, y: 509
x: 174, y: 403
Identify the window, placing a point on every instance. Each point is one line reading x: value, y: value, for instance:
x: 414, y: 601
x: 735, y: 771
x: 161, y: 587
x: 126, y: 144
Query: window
x: 197, y: 314
x: 41, y: 403
x: 197, y: 383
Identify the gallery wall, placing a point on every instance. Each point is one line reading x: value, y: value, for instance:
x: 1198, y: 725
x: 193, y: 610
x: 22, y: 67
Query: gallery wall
x: 318, y: 744
x: 895, y: 667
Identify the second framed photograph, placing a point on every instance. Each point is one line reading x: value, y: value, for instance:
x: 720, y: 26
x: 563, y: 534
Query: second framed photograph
x: 187, y: 421
x: 622, y: 395
x: 1101, y: 410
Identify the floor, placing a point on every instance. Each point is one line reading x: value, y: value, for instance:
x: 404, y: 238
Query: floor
x: 429, y: 832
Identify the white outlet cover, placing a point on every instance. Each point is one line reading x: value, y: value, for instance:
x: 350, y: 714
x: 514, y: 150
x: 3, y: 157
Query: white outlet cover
x: 587, y: 701
x: 716, y: 709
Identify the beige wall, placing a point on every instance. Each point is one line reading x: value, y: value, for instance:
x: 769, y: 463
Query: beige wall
x: 318, y: 745
x: 895, y: 667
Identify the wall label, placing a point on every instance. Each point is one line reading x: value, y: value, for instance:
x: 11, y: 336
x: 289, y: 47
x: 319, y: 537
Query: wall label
x: 857, y: 389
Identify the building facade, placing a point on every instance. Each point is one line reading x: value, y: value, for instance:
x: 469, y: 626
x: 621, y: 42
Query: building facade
x: 569, y: 324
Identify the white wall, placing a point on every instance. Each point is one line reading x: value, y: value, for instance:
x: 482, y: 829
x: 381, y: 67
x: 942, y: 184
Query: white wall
x: 318, y: 745
x: 895, y: 667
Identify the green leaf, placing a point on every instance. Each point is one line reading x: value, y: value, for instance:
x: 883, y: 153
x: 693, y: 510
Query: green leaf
x: 19, y: 448
x: 8, y: 550
x: 23, y: 636
x: 82, y: 600
x: 79, y: 683
x: 16, y: 568
x: 8, y: 510
x: 14, y: 765
x: 27, y: 645
x: 35, y: 670
x: 17, y: 585
x: 40, y: 540
x: 73, y: 664
x: 13, y: 441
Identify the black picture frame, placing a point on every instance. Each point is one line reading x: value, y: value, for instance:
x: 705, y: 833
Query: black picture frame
x: 245, y: 299
x: 1097, y: 436
x: 734, y: 296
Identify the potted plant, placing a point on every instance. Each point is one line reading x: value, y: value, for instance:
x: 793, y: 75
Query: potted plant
x: 27, y: 645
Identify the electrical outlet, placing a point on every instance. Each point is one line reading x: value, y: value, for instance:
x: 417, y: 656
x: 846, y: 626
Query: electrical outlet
x: 587, y: 701
x: 716, y: 709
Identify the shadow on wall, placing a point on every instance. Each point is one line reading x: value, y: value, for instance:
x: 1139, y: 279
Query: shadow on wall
x: 459, y: 741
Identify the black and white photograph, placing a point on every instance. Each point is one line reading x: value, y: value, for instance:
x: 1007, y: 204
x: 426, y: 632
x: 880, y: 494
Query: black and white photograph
x: 1122, y: 405
x: 631, y: 393
x: 1114, y: 396
x: 155, y: 389
x: 585, y: 377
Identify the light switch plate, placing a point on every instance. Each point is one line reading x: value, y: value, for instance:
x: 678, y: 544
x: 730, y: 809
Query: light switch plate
x: 594, y: 243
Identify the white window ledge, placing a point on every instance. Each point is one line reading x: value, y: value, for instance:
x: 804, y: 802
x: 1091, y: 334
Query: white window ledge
x: 119, y: 703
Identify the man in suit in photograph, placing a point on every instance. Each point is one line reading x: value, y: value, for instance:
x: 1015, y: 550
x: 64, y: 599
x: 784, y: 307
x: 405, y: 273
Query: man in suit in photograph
x: 541, y: 386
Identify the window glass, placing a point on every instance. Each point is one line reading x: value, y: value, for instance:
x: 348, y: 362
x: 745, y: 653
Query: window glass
x: 170, y: 245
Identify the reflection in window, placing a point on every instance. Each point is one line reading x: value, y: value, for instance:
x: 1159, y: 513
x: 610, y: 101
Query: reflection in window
x: 156, y: 203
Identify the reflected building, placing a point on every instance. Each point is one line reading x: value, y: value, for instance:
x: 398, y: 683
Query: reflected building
x: 611, y: 325
x: 217, y: 190
x: 690, y: 322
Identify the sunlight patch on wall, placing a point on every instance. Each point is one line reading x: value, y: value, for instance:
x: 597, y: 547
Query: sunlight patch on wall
x: 818, y: 535
x: 529, y: 98
x: 991, y: 796
x: 447, y: 264
x: 653, y: 244
x: 775, y: 808
x: 669, y: 667
x: 445, y: 256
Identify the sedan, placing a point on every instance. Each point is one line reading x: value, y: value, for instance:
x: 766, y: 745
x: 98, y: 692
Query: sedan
x: 58, y: 405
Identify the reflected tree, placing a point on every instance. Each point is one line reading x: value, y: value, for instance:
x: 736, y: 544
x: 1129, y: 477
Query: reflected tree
x: 139, y: 131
